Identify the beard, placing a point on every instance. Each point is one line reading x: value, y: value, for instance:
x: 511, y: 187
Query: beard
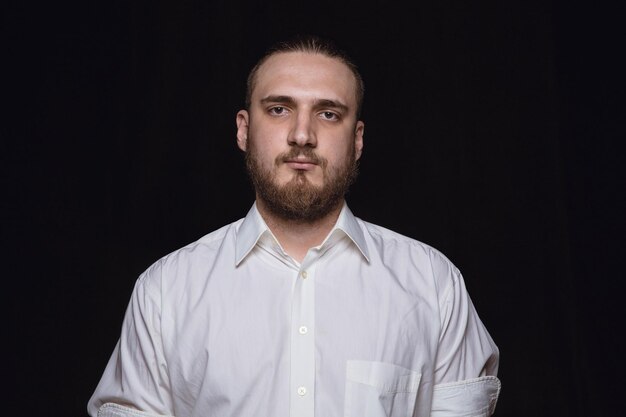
x: 299, y: 199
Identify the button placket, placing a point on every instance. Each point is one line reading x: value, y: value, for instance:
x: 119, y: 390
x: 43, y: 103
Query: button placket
x: 303, y: 344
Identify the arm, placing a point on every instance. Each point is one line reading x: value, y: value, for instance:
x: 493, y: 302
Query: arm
x: 467, y: 358
x: 135, y: 381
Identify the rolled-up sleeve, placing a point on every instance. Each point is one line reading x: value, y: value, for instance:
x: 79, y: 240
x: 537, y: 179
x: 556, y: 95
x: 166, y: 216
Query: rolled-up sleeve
x: 466, y: 382
x: 474, y: 397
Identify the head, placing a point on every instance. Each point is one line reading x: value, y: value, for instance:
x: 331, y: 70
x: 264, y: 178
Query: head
x: 313, y: 45
x: 300, y: 132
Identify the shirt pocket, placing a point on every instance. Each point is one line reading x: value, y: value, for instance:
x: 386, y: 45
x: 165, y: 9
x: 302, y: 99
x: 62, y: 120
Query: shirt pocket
x: 379, y: 389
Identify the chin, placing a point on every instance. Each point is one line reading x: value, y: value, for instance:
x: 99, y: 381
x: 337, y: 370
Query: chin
x: 303, y: 177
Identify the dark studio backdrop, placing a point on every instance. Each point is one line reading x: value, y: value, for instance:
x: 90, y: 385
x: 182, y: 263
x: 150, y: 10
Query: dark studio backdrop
x: 493, y: 133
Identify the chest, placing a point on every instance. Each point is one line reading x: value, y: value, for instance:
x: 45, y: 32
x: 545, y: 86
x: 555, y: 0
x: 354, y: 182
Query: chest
x: 265, y: 332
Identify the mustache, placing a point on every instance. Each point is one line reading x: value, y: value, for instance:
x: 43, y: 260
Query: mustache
x: 305, y: 152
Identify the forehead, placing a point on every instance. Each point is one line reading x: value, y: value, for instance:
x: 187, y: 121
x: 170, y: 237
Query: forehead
x: 306, y: 74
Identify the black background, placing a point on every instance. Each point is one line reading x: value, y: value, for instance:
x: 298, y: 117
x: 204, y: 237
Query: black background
x: 494, y: 132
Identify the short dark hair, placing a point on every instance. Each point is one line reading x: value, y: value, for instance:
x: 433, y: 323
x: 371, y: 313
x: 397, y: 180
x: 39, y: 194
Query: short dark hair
x: 312, y: 44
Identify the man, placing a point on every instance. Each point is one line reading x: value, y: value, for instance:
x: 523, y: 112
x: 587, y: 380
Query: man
x: 301, y: 309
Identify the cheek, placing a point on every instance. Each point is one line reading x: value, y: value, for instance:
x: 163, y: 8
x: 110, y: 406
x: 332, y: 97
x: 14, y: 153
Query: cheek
x: 341, y: 151
x: 264, y: 153
x: 264, y: 137
x: 267, y: 137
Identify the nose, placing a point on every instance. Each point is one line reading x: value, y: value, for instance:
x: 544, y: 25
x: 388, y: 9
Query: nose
x: 303, y: 132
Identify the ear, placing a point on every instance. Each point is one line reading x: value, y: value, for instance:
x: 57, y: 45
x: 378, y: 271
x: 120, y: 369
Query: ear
x: 243, y: 120
x: 358, y: 139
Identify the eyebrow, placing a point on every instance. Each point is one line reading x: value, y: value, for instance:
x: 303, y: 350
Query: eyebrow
x: 278, y: 99
x: 324, y: 102
x: 331, y: 104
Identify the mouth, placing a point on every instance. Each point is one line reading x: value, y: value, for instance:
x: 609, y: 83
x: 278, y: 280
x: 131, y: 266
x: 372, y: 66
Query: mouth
x: 301, y: 163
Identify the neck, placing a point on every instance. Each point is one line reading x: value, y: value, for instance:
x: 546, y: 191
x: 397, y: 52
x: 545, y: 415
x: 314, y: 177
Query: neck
x: 297, y: 236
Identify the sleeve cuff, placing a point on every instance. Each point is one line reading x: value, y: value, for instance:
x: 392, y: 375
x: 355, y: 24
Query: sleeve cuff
x: 471, y: 397
x: 116, y: 410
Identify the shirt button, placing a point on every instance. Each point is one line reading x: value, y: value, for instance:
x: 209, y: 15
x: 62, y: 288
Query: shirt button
x: 303, y: 273
x: 301, y: 391
x: 303, y: 330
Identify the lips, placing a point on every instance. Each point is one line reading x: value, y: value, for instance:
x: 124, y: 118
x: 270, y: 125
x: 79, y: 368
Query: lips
x: 301, y: 163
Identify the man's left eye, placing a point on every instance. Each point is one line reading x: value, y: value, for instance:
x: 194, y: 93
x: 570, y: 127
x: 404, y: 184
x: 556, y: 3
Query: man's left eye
x: 328, y: 115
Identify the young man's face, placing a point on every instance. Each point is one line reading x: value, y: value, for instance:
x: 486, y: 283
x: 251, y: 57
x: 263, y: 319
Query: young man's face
x: 301, y: 136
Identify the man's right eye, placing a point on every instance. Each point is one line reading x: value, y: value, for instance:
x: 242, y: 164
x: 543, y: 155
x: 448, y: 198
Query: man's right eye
x: 278, y: 110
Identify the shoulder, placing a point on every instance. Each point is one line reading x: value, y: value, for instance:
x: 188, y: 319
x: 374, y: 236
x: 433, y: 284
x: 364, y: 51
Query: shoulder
x: 397, y: 250
x: 188, y: 260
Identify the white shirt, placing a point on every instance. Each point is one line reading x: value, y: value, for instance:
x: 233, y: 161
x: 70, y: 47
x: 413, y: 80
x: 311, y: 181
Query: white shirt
x: 371, y: 323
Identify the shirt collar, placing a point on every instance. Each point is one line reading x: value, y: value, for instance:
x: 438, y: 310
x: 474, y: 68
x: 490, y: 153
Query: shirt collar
x: 253, y: 227
x: 348, y: 224
x: 250, y: 230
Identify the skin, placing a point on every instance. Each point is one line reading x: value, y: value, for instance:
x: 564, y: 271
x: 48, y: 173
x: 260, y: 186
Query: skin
x: 303, y: 129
